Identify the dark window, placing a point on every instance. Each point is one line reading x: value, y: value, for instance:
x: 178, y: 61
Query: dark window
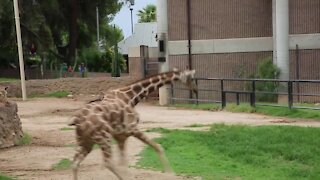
x: 161, y: 46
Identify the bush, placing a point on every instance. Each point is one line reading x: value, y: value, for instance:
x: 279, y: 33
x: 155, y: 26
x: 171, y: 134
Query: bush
x: 267, y: 70
x: 97, y: 61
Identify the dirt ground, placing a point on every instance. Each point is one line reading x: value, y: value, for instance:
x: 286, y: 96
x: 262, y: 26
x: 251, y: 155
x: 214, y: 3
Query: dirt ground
x: 43, y: 119
x: 75, y: 86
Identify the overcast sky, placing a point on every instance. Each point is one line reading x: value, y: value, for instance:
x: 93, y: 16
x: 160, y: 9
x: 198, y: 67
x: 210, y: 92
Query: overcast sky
x: 123, y: 18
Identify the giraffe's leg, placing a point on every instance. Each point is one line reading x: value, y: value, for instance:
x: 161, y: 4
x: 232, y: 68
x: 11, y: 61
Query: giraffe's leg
x: 104, y: 141
x: 82, y: 152
x: 157, y: 147
x: 122, y: 148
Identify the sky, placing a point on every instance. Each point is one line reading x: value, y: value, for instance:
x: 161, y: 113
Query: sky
x: 123, y: 18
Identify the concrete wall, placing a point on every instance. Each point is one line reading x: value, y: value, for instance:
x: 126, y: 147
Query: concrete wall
x: 236, y: 45
x: 136, y: 64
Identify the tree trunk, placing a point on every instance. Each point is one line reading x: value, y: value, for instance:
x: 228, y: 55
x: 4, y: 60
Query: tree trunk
x: 73, y: 33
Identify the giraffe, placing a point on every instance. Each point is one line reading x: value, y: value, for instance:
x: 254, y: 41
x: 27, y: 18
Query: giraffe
x: 114, y: 117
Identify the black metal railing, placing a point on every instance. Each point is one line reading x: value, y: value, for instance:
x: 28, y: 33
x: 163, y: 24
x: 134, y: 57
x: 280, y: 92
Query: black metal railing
x: 287, y: 91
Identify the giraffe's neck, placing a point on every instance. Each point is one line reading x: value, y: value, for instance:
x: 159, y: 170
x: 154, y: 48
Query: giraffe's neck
x: 137, y: 91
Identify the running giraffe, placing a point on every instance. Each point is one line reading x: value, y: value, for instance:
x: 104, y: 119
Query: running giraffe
x: 114, y: 117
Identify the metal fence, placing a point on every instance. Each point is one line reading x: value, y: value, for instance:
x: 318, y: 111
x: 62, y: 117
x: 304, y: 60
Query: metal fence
x: 289, y: 92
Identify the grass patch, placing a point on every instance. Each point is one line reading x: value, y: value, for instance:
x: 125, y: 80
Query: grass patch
x: 70, y: 145
x: 25, y: 140
x: 96, y: 146
x: 241, y: 108
x: 66, y: 129
x: 293, y: 113
x: 241, y: 152
x: 3, y: 177
x: 3, y: 80
x: 196, y: 125
x: 58, y: 94
x: 63, y: 164
x: 266, y: 110
x: 208, y: 107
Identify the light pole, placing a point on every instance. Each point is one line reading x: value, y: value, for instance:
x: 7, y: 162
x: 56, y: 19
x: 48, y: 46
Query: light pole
x: 131, y: 20
x: 131, y: 9
x: 19, y: 41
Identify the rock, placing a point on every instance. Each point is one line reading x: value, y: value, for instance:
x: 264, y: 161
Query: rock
x: 10, y: 124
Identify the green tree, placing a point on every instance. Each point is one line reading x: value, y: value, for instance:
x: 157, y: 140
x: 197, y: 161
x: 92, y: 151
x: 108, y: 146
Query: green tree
x: 148, y: 14
x: 56, y: 28
x: 8, y: 52
x: 102, y: 61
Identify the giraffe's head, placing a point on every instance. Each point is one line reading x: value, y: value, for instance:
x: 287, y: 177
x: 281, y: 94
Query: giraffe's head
x: 3, y: 94
x: 187, y: 78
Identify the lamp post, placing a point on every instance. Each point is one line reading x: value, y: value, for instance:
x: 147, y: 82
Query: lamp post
x: 19, y: 41
x: 131, y: 9
x: 131, y: 20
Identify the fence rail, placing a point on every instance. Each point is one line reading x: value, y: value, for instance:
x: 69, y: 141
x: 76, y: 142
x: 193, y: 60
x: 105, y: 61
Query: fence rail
x: 286, y: 92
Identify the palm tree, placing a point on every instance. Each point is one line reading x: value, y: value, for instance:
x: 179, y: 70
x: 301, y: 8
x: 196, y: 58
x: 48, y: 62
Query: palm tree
x: 147, y: 14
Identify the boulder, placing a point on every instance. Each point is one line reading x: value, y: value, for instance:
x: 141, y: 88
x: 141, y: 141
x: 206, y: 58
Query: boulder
x: 10, y: 124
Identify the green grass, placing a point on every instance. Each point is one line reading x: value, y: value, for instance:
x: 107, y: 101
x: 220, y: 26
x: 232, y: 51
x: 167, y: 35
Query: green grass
x: 266, y: 110
x: 241, y: 108
x: 294, y: 113
x: 3, y: 177
x: 70, y: 145
x: 209, y: 107
x: 62, y: 164
x: 233, y: 152
x: 196, y: 125
x: 66, y: 129
x: 2, y: 80
x: 25, y: 140
x: 58, y: 94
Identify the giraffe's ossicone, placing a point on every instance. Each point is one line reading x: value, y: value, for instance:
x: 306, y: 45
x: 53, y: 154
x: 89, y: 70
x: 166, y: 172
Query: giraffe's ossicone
x: 114, y: 117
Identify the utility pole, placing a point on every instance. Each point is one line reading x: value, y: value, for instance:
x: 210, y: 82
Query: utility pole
x: 98, y: 31
x: 19, y: 41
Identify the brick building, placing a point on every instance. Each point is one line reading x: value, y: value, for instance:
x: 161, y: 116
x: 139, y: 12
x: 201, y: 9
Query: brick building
x: 218, y: 37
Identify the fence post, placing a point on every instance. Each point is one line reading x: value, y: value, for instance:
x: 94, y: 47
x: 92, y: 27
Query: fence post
x: 172, y: 101
x: 197, y: 94
x: 238, y: 99
x: 253, y: 94
x: 290, y: 96
x: 223, y: 95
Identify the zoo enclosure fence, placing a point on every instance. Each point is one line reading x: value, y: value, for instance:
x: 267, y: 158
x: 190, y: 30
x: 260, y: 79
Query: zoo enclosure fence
x: 288, y: 93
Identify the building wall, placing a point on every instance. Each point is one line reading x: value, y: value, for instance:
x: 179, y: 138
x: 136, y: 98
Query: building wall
x: 304, y: 16
x: 216, y: 19
x: 235, y: 25
x: 137, y: 64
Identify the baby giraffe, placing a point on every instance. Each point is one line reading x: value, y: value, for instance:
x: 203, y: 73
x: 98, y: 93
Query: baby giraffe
x: 114, y: 117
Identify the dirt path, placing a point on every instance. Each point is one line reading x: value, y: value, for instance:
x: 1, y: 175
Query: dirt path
x: 44, y: 119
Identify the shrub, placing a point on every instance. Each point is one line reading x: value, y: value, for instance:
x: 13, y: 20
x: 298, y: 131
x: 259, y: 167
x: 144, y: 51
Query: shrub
x: 267, y: 70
